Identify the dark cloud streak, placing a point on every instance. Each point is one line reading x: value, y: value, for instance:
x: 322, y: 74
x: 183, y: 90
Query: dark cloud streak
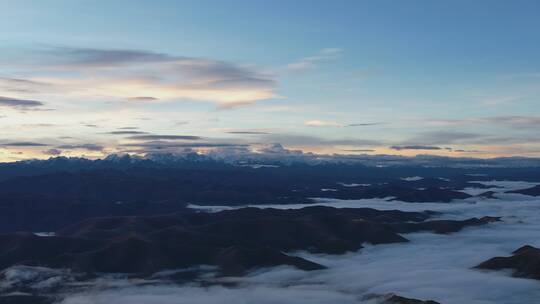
x: 414, y: 147
x: 165, y: 137
x: 24, y: 144
x: 364, y: 124
x: 53, y: 152
x: 127, y: 132
x: 19, y: 103
x: 89, y: 147
x: 247, y: 132
x: 106, y: 57
x: 358, y: 150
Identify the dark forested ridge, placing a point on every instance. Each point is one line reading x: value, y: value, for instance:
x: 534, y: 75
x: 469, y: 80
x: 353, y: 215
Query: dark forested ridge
x: 47, y: 195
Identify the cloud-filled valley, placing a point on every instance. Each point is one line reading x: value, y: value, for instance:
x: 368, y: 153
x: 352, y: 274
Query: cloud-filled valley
x: 431, y: 266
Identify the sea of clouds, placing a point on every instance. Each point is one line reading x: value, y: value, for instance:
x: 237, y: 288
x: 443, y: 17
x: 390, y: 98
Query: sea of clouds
x: 431, y: 266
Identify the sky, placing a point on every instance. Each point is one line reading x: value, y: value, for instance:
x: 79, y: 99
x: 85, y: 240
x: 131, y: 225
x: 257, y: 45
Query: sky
x: 92, y: 78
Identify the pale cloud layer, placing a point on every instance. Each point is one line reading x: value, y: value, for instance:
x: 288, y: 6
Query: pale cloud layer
x: 320, y: 123
x: 81, y: 73
x: 75, y: 101
x: 311, y: 62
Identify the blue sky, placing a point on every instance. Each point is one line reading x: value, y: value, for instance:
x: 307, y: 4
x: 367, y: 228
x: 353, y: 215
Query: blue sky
x: 458, y: 78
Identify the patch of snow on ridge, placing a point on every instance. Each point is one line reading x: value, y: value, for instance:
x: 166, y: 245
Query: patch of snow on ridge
x: 211, y: 209
x: 412, y: 178
x: 45, y: 234
x: 258, y: 166
x: 353, y: 185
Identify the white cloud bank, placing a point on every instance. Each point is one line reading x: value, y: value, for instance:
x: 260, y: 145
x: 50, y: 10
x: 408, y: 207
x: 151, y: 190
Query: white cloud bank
x: 431, y: 266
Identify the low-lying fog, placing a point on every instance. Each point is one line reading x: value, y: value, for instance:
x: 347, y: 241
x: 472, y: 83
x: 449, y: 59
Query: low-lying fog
x: 431, y: 266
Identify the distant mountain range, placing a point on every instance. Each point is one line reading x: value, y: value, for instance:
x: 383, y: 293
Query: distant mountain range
x: 44, y: 195
x: 276, y: 157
